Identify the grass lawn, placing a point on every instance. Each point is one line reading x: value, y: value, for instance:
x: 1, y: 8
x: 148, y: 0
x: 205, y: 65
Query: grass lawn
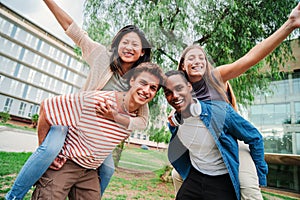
x: 136, y: 178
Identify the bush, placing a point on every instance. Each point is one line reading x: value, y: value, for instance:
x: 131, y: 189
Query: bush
x: 34, y: 120
x: 4, y: 116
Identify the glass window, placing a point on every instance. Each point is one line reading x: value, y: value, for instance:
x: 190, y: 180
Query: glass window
x: 268, y: 109
x: 296, y: 85
x: 21, y: 35
x: 297, y: 111
x: 5, y: 26
x: 7, y: 104
x: 30, y: 111
x: 31, y: 75
x: 10, y: 48
x: 22, y: 109
x: 23, y: 72
x: 256, y: 109
x: 29, y: 56
x: 7, y: 66
x: 45, y: 48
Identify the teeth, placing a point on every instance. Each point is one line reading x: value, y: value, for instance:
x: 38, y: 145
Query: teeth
x: 127, y: 53
x: 143, y: 96
x: 178, y: 102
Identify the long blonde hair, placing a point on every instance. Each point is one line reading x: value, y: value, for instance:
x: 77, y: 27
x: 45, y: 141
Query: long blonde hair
x: 215, y: 82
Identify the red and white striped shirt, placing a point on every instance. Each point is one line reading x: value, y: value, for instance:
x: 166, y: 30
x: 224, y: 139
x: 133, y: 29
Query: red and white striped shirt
x: 90, y: 138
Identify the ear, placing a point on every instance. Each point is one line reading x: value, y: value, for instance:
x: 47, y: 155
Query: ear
x: 143, y: 53
x: 131, y: 82
x: 182, y: 67
x: 190, y: 87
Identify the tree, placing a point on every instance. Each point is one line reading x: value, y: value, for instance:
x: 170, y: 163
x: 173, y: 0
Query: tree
x: 226, y: 29
x: 159, y: 135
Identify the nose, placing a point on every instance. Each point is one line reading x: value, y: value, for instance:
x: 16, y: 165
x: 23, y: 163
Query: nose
x: 175, y: 94
x: 197, y: 61
x: 129, y: 46
x: 146, y: 89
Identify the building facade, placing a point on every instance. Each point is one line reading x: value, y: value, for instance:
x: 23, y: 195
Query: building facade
x: 277, y: 116
x: 34, y: 65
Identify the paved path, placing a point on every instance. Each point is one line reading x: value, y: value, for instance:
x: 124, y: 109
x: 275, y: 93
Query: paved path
x: 15, y: 140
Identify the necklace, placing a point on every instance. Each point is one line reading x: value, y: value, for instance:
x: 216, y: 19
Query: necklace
x: 123, y: 105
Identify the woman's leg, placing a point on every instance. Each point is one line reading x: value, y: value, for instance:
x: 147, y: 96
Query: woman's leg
x: 38, y: 162
x: 177, y: 180
x: 248, y: 175
x: 105, y: 172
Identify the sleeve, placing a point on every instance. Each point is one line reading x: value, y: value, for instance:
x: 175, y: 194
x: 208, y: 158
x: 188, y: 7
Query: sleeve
x: 245, y: 131
x: 81, y: 39
x: 141, y: 121
x: 63, y: 110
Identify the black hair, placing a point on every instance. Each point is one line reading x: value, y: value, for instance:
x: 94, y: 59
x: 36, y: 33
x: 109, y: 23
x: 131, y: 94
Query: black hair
x: 115, y: 61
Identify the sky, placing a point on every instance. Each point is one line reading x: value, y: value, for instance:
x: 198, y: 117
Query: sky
x: 37, y: 12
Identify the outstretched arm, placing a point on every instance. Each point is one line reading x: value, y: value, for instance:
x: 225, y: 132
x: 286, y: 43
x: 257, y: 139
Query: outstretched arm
x: 262, y: 49
x: 62, y: 17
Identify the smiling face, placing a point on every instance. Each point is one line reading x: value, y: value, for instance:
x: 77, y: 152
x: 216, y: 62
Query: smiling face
x: 143, y: 88
x: 130, y: 48
x: 178, y: 93
x: 195, y: 64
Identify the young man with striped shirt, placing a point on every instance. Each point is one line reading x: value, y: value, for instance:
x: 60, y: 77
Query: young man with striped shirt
x: 91, y: 137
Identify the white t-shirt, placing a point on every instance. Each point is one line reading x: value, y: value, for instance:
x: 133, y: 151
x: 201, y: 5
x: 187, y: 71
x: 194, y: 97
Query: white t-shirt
x: 204, y: 153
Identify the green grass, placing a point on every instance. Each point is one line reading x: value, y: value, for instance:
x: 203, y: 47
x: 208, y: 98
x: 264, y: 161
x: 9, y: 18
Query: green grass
x: 272, y: 196
x: 144, y: 185
x: 18, y: 127
x: 145, y: 160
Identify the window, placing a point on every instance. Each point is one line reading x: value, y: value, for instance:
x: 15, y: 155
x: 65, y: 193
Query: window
x: 10, y: 48
x: 7, y: 66
x: 7, y: 105
x: 22, y: 109
x: 5, y: 26
x: 30, y: 111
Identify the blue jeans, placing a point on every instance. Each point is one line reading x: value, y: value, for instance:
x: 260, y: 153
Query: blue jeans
x: 105, y: 172
x: 41, y: 159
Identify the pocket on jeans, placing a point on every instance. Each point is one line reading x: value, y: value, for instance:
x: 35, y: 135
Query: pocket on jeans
x: 43, y: 189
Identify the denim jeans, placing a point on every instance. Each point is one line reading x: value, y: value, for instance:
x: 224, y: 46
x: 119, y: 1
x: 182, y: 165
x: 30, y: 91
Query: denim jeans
x: 41, y: 159
x: 105, y: 172
x: 38, y: 162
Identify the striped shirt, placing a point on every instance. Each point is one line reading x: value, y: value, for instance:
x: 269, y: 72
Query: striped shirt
x: 91, y: 138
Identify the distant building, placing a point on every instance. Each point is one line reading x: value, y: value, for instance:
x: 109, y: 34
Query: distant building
x: 34, y: 65
x: 277, y: 115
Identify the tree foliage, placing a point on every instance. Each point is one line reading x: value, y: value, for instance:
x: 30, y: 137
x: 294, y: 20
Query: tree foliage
x: 227, y: 29
x: 159, y: 135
